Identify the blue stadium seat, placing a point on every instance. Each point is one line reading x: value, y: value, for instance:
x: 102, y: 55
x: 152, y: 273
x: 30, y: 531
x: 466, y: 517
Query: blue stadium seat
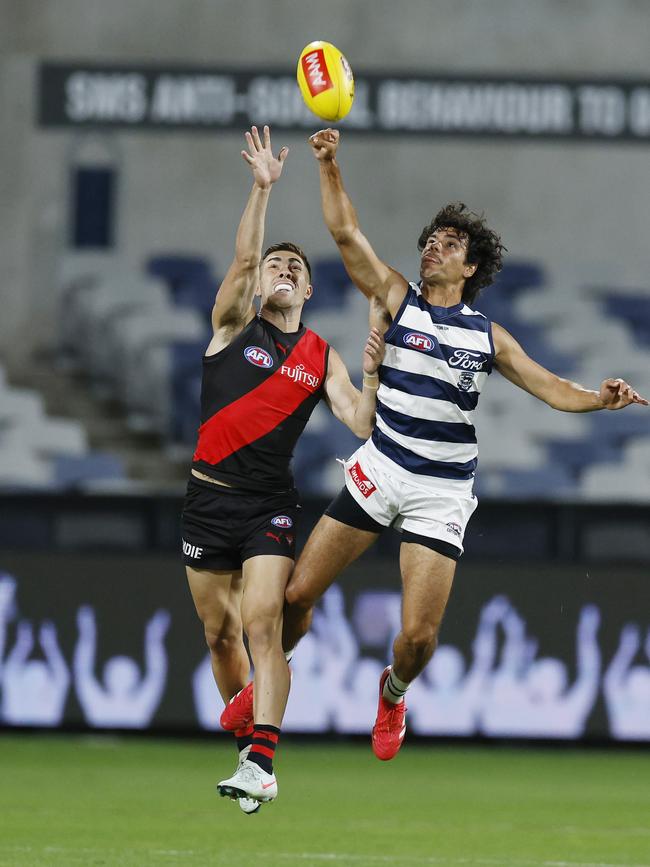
x: 517, y: 277
x: 617, y: 428
x: 634, y: 310
x: 190, y: 280
x: 316, y: 452
x: 176, y: 269
x: 71, y: 472
x: 545, y: 483
x: 496, y: 301
x: 199, y: 294
x: 185, y: 389
x: 331, y: 283
x: 498, y: 305
x: 575, y: 455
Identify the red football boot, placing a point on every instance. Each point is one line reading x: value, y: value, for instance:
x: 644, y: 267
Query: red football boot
x: 390, y: 726
x: 238, y: 713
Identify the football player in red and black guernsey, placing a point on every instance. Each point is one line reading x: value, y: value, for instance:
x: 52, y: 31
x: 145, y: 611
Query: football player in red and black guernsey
x: 263, y: 375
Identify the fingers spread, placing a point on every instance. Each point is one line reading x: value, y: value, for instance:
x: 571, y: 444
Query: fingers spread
x: 256, y: 138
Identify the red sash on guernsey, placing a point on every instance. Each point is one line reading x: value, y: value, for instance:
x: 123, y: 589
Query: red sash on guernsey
x: 261, y: 410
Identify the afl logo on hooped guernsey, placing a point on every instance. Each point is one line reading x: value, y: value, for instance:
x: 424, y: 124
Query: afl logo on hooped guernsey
x: 417, y: 340
x: 282, y: 521
x: 258, y: 356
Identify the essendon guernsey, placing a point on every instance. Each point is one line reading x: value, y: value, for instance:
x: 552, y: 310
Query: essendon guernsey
x: 256, y: 397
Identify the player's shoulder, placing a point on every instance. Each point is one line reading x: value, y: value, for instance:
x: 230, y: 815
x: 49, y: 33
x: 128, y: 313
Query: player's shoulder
x: 312, y: 336
x: 466, y: 310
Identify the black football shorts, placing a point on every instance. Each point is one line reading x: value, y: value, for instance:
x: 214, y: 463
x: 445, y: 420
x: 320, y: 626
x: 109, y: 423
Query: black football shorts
x: 222, y: 527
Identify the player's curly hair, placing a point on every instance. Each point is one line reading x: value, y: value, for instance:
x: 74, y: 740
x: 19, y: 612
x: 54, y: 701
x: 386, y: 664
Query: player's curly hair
x: 292, y: 248
x: 484, y: 247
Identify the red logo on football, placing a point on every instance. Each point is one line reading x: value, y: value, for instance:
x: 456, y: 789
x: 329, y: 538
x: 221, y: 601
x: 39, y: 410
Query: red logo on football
x: 361, y: 480
x: 315, y: 71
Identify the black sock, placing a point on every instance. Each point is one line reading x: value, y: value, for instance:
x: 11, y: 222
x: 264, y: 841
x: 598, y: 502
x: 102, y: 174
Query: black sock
x: 244, y: 737
x: 265, y: 740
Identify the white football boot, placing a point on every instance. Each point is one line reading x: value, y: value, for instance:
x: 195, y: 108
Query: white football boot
x: 247, y: 805
x: 249, y: 781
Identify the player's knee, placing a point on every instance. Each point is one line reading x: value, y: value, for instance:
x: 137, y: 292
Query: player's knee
x: 298, y: 595
x: 420, y: 637
x: 262, y: 633
x: 222, y: 644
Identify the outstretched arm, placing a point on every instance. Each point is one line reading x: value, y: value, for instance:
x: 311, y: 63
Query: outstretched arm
x: 372, y: 276
x: 355, y: 408
x: 153, y: 681
x: 7, y: 591
x: 485, y: 643
x: 618, y: 667
x: 511, y: 361
x: 21, y: 649
x: 83, y: 661
x: 233, y: 307
x: 582, y: 694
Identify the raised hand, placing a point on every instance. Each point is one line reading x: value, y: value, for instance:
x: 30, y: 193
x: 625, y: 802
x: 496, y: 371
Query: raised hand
x: 47, y: 636
x: 7, y: 592
x: 86, y: 621
x: 373, y: 353
x: 589, y: 622
x: 158, y: 625
x: 616, y: 394
x: 265, y: 167
x: 324, y: 144
x: 495, y: 610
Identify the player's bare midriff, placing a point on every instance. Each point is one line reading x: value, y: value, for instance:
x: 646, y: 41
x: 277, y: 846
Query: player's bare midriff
x: 205, y: 478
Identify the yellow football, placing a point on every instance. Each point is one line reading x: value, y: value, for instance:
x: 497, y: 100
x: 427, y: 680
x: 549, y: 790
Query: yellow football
x: 325, y: 80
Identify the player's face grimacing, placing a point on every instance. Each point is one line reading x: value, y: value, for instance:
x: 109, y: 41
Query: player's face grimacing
x: 284, y: 280
x: 444, y: 257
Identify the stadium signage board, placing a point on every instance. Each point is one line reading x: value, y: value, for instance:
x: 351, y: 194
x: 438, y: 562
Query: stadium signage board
x: 200, y: 98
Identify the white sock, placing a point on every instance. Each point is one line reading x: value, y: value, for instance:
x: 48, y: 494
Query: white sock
x: 394, y: 688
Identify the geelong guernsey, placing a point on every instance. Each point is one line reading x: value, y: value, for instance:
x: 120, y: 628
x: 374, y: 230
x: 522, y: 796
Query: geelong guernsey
x: 437, y: 361
x: 257, y: 395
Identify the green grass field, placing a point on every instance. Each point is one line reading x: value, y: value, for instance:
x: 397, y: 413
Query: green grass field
x: 68, y: 801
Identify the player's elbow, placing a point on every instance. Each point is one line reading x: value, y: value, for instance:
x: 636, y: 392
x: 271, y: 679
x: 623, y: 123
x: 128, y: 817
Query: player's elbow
x: 245, y: 262
x: 343, y: 234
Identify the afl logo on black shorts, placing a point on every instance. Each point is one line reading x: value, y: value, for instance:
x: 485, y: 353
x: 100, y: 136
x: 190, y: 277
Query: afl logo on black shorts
x: 282, y: 521
x: 257, y: 356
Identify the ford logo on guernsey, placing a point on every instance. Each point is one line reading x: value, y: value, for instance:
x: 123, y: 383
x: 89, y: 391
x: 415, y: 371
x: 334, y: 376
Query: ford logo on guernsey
x: 257, y: 356
x: 283, y: 521
x: 416, y: 340
x: 467, y: 359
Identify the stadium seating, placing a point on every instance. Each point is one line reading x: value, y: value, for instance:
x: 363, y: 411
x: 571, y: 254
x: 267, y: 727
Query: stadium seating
x: 189, y: 279
x: 38, y: 451
x: 140, y: 338
x: 82, y: 472
x: 634, y: 310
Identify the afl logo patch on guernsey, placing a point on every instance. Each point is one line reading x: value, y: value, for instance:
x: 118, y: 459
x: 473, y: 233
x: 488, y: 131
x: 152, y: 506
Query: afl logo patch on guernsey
x: 257, y: 356
x: 417, y: 340
x: 283, y: 521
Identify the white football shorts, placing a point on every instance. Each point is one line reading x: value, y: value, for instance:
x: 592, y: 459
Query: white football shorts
x: 436, y: 509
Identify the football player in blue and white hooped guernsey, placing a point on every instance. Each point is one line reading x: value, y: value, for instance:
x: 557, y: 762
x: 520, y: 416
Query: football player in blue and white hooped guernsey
x: 416, y: 471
